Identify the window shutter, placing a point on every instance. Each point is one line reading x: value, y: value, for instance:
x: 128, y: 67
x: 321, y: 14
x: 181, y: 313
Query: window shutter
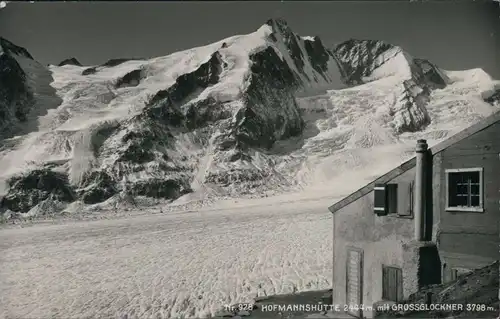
x: 406, y: 207
x: 380, y: 202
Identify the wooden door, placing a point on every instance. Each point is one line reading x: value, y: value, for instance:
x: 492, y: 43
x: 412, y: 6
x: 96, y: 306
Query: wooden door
x: 354, y: 282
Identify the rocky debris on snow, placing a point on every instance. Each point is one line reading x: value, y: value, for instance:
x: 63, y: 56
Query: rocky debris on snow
x: 494, y: 98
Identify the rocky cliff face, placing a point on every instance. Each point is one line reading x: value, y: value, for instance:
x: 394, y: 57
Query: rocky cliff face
x: 16, y: 98
x: 25, y: 91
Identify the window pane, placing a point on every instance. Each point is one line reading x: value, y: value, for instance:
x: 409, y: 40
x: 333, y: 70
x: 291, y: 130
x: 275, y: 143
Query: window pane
x: 457, y: 201
x: 462, y: 201
x: 473, y: 177
x: 475, y: 189
x: 462, y: 189
x: 475, y: 201
x: 454, y: 178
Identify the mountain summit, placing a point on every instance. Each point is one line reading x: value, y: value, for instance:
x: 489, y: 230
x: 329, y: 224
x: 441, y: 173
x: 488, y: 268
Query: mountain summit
x: 251, y: 114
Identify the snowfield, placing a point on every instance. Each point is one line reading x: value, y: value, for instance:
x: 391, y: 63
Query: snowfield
x: 165, y: 266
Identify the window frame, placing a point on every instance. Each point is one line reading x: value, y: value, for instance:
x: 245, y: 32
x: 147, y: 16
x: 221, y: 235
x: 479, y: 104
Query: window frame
x: 479, y: 208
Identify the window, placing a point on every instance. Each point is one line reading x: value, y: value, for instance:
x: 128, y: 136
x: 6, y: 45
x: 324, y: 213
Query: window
x: 464, y: 189
x: 392, y: 283
x: 386, y: 199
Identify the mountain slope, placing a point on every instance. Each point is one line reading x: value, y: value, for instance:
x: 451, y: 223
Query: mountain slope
x: 254, y: 114
x: 138, y: 127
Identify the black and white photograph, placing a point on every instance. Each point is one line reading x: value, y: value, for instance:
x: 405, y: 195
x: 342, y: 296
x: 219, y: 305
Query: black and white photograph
x: 249, y: 159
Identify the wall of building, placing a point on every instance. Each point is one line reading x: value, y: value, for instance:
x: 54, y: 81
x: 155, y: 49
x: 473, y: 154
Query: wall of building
x: 383, y: 240
x: 470, y: 239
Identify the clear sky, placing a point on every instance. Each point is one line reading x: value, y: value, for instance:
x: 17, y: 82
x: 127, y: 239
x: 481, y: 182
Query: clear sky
x: 452, y: 34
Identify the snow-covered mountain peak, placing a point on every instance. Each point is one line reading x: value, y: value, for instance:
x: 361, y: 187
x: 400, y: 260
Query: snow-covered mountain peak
x: 212, y: 119
x: 313, y: 63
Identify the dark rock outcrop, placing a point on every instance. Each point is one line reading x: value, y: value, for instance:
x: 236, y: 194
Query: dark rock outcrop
x: 493, y: 98
x: 319, y: 56
x: 145, y: 142
x: 10, y: 48
x: 428, y: 73
x: 27, y: 190
x: 165, y: 105
x: 159, y: 188
x: 204, y: 112
x: 115, y: 62
x: 70, y: 61
x: 16, y: 98
x: 188, y: 85
x: 89, y: 71
x: 291, y: 41
x: 270, y: 111
x: 98, y: 186
x: 133, y: 78
x: 358, y: 58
